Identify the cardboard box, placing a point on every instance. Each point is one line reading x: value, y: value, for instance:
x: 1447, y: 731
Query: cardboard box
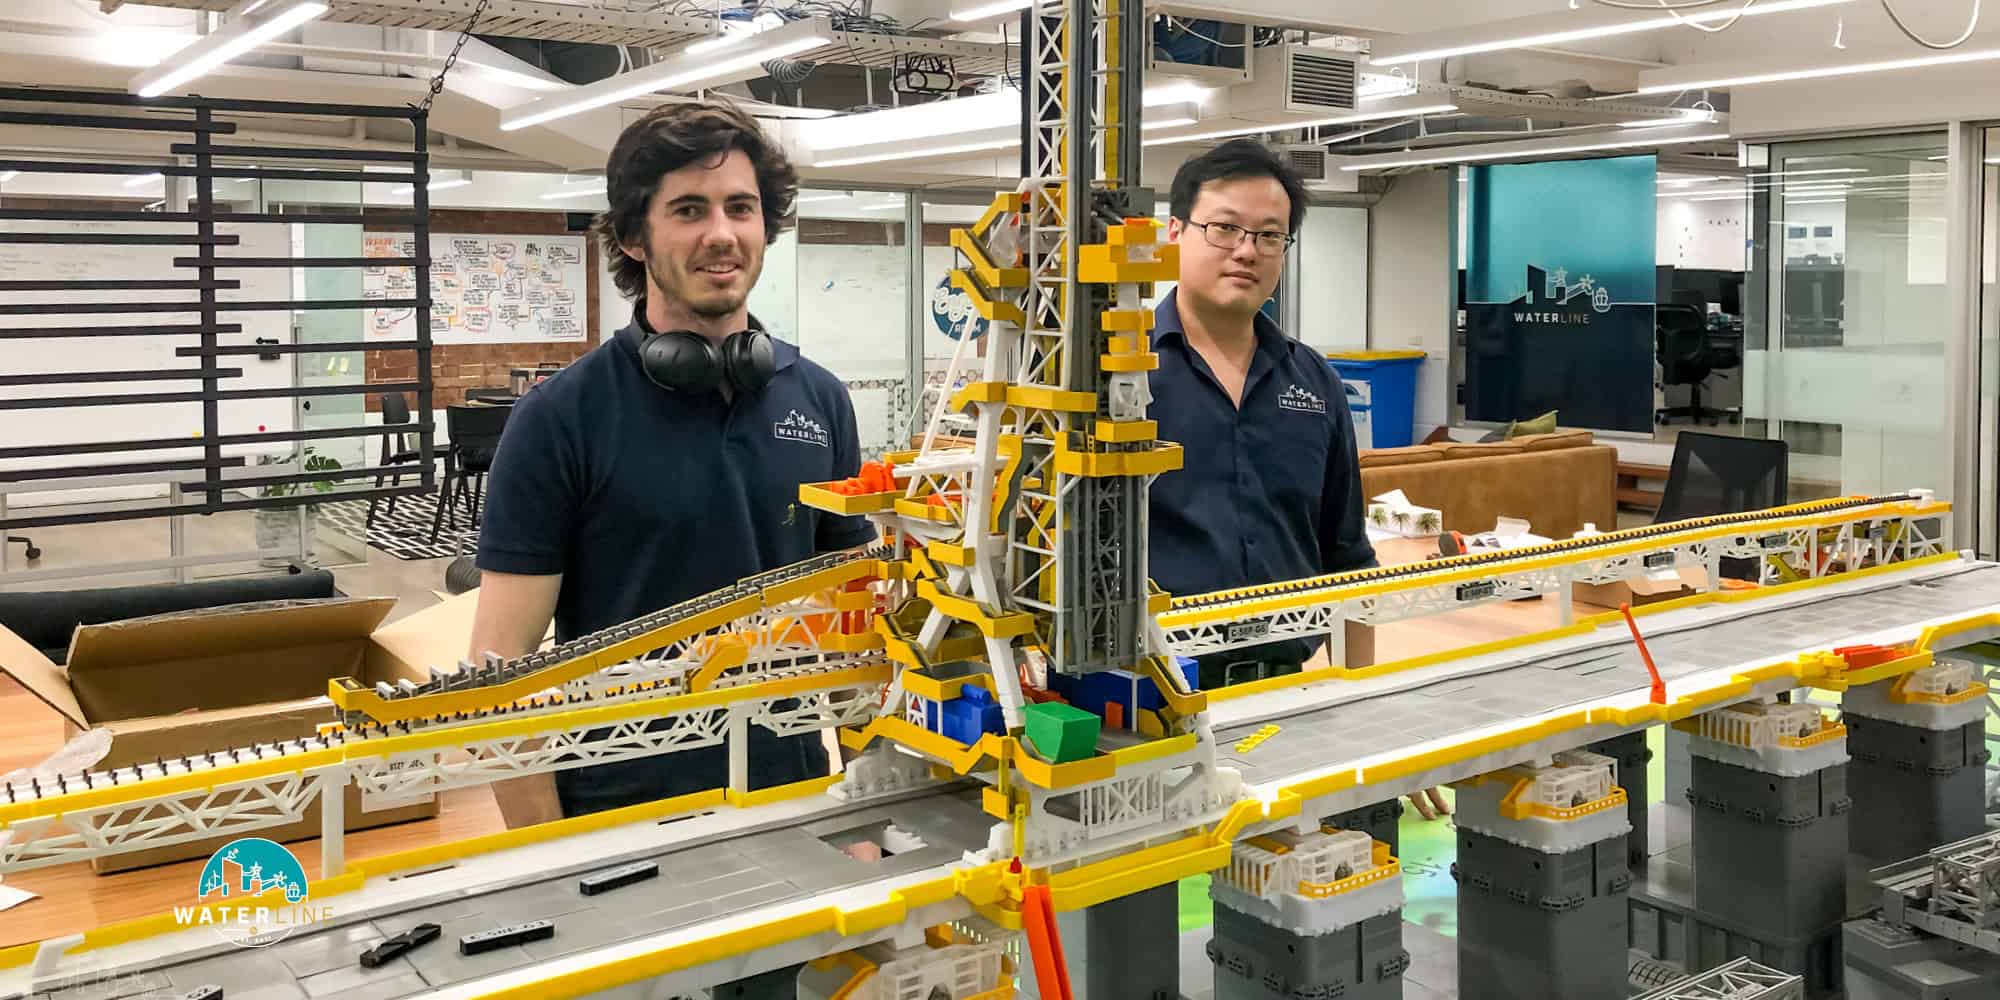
x: 196, y: 681
x: 1642, y: 591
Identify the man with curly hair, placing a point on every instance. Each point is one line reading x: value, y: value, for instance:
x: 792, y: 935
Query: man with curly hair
x: 666, y: 462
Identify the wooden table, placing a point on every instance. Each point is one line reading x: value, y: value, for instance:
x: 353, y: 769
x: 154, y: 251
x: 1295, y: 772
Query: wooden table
x: 74, y: 899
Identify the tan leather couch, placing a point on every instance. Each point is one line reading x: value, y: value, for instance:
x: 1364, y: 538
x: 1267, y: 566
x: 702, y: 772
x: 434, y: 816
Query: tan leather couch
x: 1558, y: 482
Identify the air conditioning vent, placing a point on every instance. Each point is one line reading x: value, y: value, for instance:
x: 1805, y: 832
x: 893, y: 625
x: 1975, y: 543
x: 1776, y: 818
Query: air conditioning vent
x: 1309, y: 161
x: 1319, y: 82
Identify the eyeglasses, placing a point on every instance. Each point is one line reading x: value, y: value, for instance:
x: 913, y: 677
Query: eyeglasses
x: 1227, y: 236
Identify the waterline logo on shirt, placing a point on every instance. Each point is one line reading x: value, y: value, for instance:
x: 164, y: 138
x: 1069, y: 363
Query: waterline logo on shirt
x: 1300, y: 399
x: 798, y: 427
x: 254, y: 893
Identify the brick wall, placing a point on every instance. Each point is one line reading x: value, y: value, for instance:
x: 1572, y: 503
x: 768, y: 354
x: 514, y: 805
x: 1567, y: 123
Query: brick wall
x: 458, y: 367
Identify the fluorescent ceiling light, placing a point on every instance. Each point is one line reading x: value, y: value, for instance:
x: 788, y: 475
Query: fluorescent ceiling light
x: 1687, y: 181
x: 1683, y: 117
x: 1822, y: 201
x: 959, y: 116
x: 979, y: 12
x: 1173, y: 118
x: 9, y: 175
x: 1364, y: 116
x: 1375, y: 86
x: 1529, y: 148
x: 1561, y: 28
x: 1743, y: 74
x: 921, y: 152
x: 580, y: 191
x: 812, y: 198
x: 254, y: 23
x: 144, y: 179
x: 677, y: 72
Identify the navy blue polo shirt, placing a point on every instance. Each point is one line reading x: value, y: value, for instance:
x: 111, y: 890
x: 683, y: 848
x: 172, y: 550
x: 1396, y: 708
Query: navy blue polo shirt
x: 642, y: 497
x: 1267, y: 492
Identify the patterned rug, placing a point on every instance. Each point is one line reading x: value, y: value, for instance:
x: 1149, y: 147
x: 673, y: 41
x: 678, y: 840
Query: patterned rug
x: 405, y: 532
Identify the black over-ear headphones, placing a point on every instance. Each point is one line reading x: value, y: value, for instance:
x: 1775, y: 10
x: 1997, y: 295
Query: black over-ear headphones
x: 685, y: 361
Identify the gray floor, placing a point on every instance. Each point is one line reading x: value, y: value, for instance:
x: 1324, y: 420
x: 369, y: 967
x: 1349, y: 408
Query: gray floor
x: 1367, y: 727
x: 697, y: 883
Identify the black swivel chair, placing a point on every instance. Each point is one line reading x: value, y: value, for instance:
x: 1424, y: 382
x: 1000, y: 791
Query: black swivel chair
x: 396, y: 448
x: 1689, y: 356
x: 475, y: 438
x: 1718, y: 474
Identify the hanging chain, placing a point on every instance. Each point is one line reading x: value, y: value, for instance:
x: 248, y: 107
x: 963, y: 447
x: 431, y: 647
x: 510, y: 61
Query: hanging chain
x: 437, y: 82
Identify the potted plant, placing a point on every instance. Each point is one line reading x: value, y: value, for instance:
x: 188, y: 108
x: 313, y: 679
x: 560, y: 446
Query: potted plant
x: 276, y: 525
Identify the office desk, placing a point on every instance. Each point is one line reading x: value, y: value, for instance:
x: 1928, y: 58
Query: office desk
x: 75, y: 899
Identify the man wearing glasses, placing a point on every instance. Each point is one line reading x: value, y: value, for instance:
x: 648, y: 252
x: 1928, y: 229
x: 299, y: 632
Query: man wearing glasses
x: 1271, y: 488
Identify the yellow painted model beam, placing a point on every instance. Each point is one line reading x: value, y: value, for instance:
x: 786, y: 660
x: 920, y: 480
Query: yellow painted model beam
x: 351, y: 696
x: 438, y: 738
x: 1233, y: 605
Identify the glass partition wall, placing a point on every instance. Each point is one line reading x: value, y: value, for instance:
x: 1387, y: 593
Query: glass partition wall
x: 837, y: 285
x: 1848, y: 364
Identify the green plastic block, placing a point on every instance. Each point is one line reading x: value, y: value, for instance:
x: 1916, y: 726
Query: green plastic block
x: 1062, y: 733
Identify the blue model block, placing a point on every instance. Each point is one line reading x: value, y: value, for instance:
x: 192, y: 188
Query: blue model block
x: 970, y: 716
x: 1189, y: 669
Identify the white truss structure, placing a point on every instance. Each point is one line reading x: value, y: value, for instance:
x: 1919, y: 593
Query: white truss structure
x: 402, y: 776
x: 143, y: 818
x: 225, y: 809
x: 1741, y: 979
x: 1163, y: 797
x: 1261, y: 615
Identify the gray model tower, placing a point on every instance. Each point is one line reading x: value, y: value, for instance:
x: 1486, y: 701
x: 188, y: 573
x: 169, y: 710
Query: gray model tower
x: 1542, y: 876
x: 1309, y: 915
x: 1770, y: 817
x: 1918, y: 774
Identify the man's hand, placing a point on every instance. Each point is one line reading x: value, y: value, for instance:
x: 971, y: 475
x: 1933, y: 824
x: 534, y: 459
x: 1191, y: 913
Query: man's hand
x: 1435, y: 807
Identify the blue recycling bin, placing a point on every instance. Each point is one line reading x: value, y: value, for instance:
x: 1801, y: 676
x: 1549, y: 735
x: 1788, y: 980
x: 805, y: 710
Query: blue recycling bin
x: 1382, y: 394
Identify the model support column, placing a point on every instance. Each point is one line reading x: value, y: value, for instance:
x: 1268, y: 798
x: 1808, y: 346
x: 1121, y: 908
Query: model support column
x: 1633, y: 756
x: 1309, y: 914
x: 1918, y: 774
x: 1378, y: 821
x: 1125, y: 948
x: 1542, y: 879
x: 1770, y: 807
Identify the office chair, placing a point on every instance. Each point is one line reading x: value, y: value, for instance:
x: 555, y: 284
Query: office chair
x: 1718, y: 474
x: 33, y: 552
x: 1689, y: 356
x: 396, y: 448
x: 475, y: 436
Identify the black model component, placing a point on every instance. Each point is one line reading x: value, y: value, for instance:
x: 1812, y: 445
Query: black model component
x: 618, y: 878
x: 501, y: 937
x: 392, y: 948
x: 209, y: 992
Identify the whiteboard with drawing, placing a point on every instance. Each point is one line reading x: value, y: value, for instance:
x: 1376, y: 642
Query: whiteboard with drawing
x: 93, y: 425
x: 484, y: 289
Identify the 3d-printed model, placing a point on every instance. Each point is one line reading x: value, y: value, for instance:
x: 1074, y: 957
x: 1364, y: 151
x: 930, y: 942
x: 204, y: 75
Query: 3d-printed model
x: 399, y: 945
x: 1029, y: 738
x: 1937, y: 936
x: 481, y: 942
